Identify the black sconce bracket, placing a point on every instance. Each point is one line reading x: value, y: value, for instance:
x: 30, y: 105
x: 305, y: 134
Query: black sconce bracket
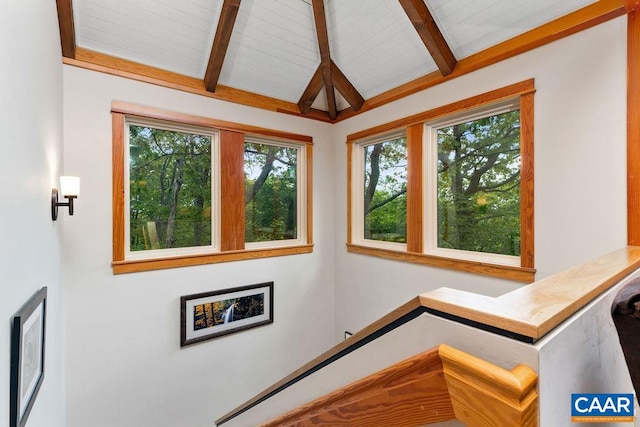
x: 55, y: 204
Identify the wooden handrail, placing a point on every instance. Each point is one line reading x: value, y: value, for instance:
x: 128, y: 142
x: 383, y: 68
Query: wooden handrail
x: 527, y: 313
x: 534, y: 310
x: 438, y: 385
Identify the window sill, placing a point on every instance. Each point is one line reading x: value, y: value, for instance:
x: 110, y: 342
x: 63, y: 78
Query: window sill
x: 132, y: 266
x: 519, y: 274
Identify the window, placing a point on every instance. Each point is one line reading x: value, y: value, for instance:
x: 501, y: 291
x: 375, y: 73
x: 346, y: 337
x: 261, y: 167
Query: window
x: 201, y: 191
x: 382, y: 188
x: 273, y: 184
x: 473, y: 186
x: 170, y: 174
x: 467, y: 186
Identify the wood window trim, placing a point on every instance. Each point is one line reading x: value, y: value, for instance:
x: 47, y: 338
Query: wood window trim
x: 633, y: 124
x: 524, y: 91
x: 207, y: 122
x: 231, y: 164
x: 494, y: 96
x: 120, y: 267
x: 518, y: 274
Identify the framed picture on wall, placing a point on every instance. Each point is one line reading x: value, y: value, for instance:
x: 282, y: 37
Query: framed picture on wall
x: 27, y: 357
x: 213, y: 314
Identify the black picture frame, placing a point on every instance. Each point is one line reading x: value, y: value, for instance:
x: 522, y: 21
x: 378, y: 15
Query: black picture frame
x: 208, y: 315
x: 27, y: 357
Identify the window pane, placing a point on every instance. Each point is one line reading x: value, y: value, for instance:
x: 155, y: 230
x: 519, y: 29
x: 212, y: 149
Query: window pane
x: 170, y: 189
x: 385, y: 191
x: 479, y: 185
x: 271, y: 192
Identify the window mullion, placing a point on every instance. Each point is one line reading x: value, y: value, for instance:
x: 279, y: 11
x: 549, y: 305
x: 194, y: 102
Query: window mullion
x: 415, y: 224
x: 232, y: 190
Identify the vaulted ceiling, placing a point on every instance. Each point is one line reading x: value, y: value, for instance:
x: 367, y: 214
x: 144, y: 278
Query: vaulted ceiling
x: 324, y: 59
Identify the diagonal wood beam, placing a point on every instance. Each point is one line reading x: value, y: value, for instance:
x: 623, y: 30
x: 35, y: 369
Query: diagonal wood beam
x: 320, y: 20
x: 345, y: 87
x: 430, y: 34
x: 67, y: 30
x: 311, y: 92
x: 221, y: 43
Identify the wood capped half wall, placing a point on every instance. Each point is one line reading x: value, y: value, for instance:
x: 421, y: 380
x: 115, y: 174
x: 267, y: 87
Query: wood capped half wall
x: 438, y: 385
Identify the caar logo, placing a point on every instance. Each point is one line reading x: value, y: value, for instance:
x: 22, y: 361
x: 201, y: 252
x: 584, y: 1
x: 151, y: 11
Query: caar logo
x: 602, y: 408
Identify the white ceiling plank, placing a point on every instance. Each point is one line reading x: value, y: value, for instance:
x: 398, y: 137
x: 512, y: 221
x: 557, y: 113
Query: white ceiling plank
x: 273, y: 50
x: 173, y: 34
x: 470, y: 26
x: 377, y: 50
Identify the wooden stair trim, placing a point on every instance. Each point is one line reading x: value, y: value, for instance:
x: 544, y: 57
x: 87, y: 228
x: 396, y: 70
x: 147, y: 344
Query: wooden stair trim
x: 483, y: 394
x: 438, y: 385
x: 411, y: 392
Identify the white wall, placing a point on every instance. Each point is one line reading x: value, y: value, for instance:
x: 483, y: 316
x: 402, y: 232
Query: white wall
x: 125, y: 366
x: 31, y: 146
x: 580, y: 170
x: 583, y: 355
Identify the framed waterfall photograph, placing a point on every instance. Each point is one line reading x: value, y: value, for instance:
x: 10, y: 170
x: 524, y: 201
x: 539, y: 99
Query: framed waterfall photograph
x: 214, y: 314
x: 27, y: 357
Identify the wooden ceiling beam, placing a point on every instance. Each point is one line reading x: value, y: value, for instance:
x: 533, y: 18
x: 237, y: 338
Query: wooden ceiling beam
x: 67, y: 29
x: 221, y: 43
x: 430, y: 34
x: 320, y: 20
x: 340, y: 82
x: 311, y: 92
x: 345, y: 87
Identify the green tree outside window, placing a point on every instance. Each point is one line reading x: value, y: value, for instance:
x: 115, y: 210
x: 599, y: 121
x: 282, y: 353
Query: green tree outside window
x: 169, y: 189
x: 479, y: 185
x: 385, y: 191
x: 271, y: 192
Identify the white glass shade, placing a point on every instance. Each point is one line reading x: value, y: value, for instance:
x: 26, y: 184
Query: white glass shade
x: 69, y: 186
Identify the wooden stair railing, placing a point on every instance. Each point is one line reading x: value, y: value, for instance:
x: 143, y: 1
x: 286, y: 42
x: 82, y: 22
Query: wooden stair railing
x: 438, y: 385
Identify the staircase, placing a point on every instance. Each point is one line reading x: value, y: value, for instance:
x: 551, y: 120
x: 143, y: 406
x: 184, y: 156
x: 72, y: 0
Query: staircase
x: 446, y: 355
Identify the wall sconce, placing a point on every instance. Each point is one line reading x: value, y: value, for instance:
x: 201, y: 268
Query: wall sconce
x: 70, y: 189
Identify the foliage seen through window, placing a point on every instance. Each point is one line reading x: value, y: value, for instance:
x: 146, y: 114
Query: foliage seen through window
x: 170, y: 189
x: 385, y: 192
x: 271, y: 192
x: 479, y: 185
